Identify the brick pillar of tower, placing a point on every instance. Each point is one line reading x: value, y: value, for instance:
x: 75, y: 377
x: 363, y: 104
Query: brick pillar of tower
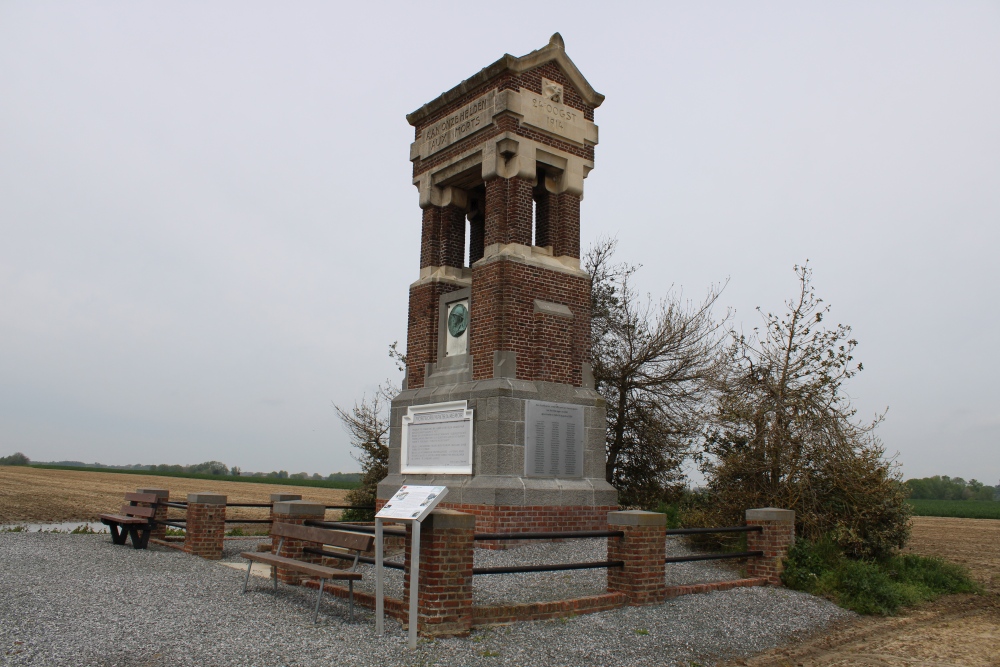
x: 643, y: 550
x: 508, y: 211
x: 444, y: 599
x: 775, y: 539
x: 295, y: 512
x: 565, y: 239
x: 163, y: 495
x: 206, y: 525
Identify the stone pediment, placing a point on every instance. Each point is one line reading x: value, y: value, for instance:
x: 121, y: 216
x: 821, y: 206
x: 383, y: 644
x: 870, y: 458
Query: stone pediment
x: 554, y: 52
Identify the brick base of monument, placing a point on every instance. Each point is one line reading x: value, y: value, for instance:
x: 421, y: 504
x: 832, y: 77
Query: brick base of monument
x: 530, y: 519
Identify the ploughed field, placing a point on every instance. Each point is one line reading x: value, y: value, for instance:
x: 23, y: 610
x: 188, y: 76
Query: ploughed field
x: 33, y: 495
x: 953, y: 630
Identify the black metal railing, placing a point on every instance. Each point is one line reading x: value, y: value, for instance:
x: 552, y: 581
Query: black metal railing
x: 714, y: 556
x: 356, y: 528
x: 702, y: 531
x: 361, y: 559
x: 556, y: 535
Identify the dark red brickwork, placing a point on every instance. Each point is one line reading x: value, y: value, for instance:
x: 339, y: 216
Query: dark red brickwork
x: 502, y: 317
x: 694, y: 589
x: 557, y: 221
x: 292, y: 548
x: 643, y: 549
x: 205, y: 528
x: 508, y: 211
x: 534, y: 518
x: 442, y: 239
x: 775, y: 541
x: 543, y: 611
x: 422, y: 329
x: 444, y: 599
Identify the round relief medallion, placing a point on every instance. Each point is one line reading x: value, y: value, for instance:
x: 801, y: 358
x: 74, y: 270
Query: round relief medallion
x: 458, y: 320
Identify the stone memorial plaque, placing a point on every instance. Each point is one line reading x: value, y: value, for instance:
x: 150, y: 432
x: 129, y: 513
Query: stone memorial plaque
x: 553, y: 439
x: 437, y: 439
x: 471, y: 118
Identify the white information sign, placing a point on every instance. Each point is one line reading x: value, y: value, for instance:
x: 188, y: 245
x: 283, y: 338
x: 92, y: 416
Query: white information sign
x: 412, y: 503
x: 553, y: 439
x: 437, y: 439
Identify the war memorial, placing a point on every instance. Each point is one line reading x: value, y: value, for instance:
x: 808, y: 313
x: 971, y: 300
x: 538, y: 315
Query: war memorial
x: 499, y: 402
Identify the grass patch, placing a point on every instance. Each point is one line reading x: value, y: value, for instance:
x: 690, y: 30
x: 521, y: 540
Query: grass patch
x: 879, y: 588
x: 963, y: 509
x: 318, y: 483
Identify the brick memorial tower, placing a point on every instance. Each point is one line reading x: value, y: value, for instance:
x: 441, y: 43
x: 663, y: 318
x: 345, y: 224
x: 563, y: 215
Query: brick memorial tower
x: 499, y: 403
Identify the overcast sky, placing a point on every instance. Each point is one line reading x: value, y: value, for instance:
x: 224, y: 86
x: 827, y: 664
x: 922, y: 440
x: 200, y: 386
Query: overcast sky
x: 208, y: 226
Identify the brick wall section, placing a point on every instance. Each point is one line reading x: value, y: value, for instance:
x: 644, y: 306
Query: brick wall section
x: 160, y: 531
x: 566, y: 239
x: 508, y: 211
x: 774, y: 540
x: 530, y: 519
x: 422, y: 329
x: 295, y: 512
x: 552, y: 358
x: 444, y: 598
x: 442, y: 237
x: 643, y: 549
x: 206, y: 525
x: 502, y: 317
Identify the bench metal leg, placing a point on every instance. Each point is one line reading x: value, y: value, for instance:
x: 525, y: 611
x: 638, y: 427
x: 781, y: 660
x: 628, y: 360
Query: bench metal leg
x: 247, y: 580
x: 319, y: 596
x: 350, y: 588
x: 117, y: 535
x: 274, y: 573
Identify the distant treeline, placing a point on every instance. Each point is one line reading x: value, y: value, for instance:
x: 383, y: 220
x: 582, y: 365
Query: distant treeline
x: 214, y: 468
x: 942, y: 487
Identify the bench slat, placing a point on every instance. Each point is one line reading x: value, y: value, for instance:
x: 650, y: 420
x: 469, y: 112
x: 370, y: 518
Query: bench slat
x: 335, y: 538
x: 309, y: 568
x: 118, y: 518
x: 141, y: 497
x: 134, y: 510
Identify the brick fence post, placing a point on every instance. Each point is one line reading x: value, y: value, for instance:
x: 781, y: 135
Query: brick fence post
x: 295, y: 512
x: 644, y: 550
x: 444, y: 600
x: 281, y: 498
x: 206, y: 525
x: 774, y: 540
x: 163, y: 495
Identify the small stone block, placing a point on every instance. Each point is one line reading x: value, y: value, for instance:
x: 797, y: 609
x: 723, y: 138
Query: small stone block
x: 284, y: 497
x: 445, y: 519
x: 206, y: 498
x: 300, y: 508
x: 637, y: 518
x: 771, y: 514
x: 159, y: 493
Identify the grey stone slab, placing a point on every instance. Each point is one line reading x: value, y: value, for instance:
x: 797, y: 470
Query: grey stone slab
x: 510, y: 409
x: 206, y: 498
x: 505, y: 432
x: 637, y: 518
x: 543, y: 492
x: 486, y: 459
x: 486, y: 433
x: 300, y: 508
x: 509, y: 460
x: 770, y: 514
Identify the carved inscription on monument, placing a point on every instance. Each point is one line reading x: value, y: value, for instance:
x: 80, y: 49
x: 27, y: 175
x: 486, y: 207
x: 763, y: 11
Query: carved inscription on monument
x: 437, y: 439
x: 455, y: 126
x: 553, y: 439
x: 547, y: 112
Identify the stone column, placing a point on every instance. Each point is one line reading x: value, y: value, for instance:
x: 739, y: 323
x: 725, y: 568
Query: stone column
x: 160, y: 531
x: 444, y: 600
x: 295, y: 512
x: 644, y: 551
x: 774, y: 540
x: 206, y: 525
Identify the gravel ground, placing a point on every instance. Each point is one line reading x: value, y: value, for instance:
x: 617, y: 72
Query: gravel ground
x: 79, y: 600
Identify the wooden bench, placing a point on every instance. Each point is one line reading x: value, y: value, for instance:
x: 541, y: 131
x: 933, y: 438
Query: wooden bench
x: 320, y: 537
x: 135, y: 521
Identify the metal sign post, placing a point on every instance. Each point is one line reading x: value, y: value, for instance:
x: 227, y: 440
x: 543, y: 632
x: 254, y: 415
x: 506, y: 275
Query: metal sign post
x: 411, y: 504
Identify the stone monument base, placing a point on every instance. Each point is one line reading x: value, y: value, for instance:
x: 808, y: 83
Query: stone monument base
x: 500, y: 494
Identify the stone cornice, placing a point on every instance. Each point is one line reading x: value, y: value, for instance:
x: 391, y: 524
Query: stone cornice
x: 554, y: 51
